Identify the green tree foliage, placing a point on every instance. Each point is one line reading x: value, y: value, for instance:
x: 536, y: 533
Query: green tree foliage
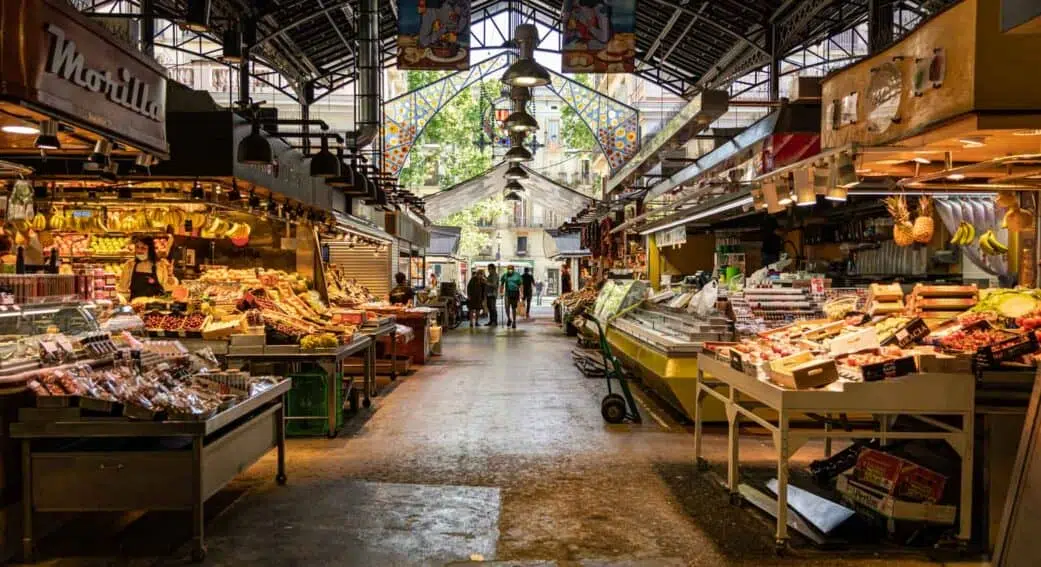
x: 574, y: 132
x: 471, y: 238
x: 446, y: 146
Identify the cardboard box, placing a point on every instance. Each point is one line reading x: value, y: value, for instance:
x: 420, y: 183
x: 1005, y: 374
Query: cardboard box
x: 899, y: 477
x: 863, y: 496
x: 912, y: 332
x: 854, y: 342
x: 944, y: 364
x: 803, y: 371
x: 889, y: 369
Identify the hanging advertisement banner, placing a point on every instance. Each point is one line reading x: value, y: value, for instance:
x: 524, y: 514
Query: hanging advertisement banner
x: 599, y: 36
x: 434, y: 34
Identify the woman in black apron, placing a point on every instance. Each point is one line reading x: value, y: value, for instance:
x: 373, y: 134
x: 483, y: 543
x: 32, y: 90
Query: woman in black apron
x: 144, y: 277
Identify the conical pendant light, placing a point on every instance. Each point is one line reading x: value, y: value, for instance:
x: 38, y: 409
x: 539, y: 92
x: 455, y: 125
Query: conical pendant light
x: 515, y: 171
x: 525, y: 71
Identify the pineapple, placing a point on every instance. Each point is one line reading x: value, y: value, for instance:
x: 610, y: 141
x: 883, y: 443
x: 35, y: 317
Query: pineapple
x: 903, y: 230
x: 924, y: 224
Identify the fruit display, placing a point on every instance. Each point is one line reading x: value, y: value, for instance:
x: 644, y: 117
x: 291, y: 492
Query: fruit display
x: 964, y: 234
x: 344, y: 290
x: 889, y: 326
x: 903, y: 229
x: 110, y: 245
x: 1010, y: 303
x: 990, y: 245
x: 924, y: 225
x: 972, y: 339
x: 320, y: 340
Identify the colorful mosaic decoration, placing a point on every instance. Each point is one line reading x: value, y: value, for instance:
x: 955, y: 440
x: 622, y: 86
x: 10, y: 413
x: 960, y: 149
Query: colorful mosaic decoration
x: 405, y: 117
x: 616, y: 126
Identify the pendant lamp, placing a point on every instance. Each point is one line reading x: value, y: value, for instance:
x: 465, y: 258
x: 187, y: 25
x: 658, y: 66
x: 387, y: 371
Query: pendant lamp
x: 254, y: 148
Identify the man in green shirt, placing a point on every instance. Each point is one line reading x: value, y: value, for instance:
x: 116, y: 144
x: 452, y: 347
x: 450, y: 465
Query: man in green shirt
x: 511, y: 284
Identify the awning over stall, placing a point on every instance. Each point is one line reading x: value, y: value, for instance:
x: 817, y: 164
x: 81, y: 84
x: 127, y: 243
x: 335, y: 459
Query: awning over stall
x: 561, y: 199
x: 568, y: 245
x: 444, y: 241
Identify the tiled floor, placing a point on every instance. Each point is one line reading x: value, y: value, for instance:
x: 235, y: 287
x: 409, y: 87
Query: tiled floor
x: 495, y: 452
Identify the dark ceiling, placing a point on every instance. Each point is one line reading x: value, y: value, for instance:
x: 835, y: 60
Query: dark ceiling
x: 681, y: 45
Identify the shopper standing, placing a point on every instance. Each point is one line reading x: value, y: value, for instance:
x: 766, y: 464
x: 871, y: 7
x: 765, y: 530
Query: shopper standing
x: 565, y: 280
x: 538, y: 292
x: 528, y: 285
x: 476, y: 296
x: 511, y: 287
x: 491, y: 291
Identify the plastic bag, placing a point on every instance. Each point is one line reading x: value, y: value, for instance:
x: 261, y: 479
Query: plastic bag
x: 703, y: 303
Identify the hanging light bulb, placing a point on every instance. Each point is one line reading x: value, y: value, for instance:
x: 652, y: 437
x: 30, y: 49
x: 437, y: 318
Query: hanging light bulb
x: 517, y: 154
x: 231, y: 44
x: 784, y: 192
x: 515, y: 187
x: 804, y: 192
x: 101, y: 153
x: 254, y: 148
x: 845, y: 171
x: 837, y: 193
x: 48, y: 138
x: 324, y: 164
x: 515, y: 171
x: 525, y: 71
x: 197, y: 17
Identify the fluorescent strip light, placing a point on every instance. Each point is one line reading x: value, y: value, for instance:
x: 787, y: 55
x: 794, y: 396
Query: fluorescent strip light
x: 871, y: 193
x: 703, y: 214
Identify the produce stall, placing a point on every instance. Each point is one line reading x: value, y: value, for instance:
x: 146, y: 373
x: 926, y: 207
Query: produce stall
x: 94, y: 467
x: 332, y: 381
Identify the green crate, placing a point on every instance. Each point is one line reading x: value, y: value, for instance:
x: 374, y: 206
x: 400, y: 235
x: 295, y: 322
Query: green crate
x: 308, y: 398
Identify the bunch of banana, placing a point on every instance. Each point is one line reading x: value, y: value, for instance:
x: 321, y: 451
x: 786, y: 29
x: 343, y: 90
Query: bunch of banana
x: 990, y: 245
x: 39, y: 222
x: 964, y: 235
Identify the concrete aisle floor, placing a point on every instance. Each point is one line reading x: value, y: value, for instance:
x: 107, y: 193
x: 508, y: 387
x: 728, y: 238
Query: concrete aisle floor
x: 494, y: 452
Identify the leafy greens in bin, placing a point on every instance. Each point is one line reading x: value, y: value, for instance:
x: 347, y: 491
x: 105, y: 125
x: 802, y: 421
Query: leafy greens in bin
x: 617, y: 296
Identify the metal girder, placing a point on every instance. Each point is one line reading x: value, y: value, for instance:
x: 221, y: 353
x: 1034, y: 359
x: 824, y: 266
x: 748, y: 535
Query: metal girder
x: 307, y: 17
x: 741, y: 37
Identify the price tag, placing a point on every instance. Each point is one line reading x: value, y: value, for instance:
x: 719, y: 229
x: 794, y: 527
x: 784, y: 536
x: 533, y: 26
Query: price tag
x: 817, y: 286
x: 735, y: 361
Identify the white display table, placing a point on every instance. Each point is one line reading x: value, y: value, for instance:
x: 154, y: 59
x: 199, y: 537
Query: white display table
x: 923, y: 397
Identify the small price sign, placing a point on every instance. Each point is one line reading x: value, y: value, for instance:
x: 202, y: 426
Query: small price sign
x: 817, y: 286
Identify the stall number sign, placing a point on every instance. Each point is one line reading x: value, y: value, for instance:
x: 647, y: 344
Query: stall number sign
x: 672, y: 237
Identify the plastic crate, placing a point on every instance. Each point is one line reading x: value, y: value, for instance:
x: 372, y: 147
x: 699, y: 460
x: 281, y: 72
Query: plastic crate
x: 308, y: 398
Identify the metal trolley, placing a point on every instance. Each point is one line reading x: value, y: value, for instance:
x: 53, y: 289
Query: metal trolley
x: 615, y: 407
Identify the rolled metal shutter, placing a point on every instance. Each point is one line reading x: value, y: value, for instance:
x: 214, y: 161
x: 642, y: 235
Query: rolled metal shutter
x: 370, y: 270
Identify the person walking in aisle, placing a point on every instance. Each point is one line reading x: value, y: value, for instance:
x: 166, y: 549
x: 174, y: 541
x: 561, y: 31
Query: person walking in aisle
x: 538, y: 292
x: 476, y: 296
x: 528, y: 285
x: 511, y: 287
x: 492, y: 293
x: 565, y: 280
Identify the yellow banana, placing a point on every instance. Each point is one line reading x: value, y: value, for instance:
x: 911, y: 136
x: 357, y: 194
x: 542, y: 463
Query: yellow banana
x: 970, y: 234
x: 956, y: 237
x: 996, y: 244
x: 985, y: 244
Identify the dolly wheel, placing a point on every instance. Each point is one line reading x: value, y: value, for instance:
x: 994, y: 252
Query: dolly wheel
x: 199, y: 554
x: 367, y: 403
x: 613, y: 408
x: 781, y: 547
